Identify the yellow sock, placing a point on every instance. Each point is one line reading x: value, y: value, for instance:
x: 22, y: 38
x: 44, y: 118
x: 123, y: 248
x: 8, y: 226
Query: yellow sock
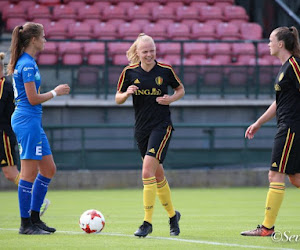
x: 273, y: 203
x: 150, y: 187
x: 164, y: 195
x: 16, y: 181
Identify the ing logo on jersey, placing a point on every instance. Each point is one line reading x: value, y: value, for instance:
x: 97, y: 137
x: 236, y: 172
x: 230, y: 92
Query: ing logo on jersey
x: 280, y: 77
x: 159, y: 80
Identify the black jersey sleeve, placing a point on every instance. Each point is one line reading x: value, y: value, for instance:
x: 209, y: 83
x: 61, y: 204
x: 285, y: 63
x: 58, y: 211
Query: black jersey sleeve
x: 3, y: 96
x: 123, y: 82
x: 174, y: 80
x: 294, y: 71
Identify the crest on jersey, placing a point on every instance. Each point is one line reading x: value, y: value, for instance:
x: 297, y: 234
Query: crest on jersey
x: 277, y: 87
x: 159, y: 80
x: 280, y: 77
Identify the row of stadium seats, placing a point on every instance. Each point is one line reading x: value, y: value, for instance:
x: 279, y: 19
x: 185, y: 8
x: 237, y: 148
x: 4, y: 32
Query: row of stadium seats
x: 148, y: 11
x: 93, y: 53
x: 159, y: 31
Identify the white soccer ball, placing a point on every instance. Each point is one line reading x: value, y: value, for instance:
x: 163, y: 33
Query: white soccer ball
x: 92, y: 221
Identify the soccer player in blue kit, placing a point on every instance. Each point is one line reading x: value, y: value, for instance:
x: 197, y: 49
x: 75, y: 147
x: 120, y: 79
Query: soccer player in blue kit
x: 37, y: 164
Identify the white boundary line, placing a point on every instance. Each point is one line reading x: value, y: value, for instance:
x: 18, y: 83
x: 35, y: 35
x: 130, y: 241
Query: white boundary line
x: 203, y: 242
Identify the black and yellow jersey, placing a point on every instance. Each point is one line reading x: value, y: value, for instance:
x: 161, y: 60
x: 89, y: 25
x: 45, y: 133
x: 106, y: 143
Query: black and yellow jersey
x: 7, y: 105
x: 152, y: 84
x: 287, y: 86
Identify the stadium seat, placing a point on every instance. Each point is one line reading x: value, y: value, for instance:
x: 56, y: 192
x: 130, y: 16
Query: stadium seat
x: 210, y: 14
x: 49, y: 2
x: 138, y: 12
x: 263, y: 49
x: 79, y: 30
x: 178, y: 31
x: 227, y: 31
x: 191, y: 49
x: 44, y: 21
x: 172, y: 59
x: 94, y: 53
x: 11, y: 23
x: 49, y: 56
x: 251, y: 31
x: 70, y: 53
x: 197, y: 5
x: 88, y: 77
x: 76, y: 5
x: 168, y: 48
x: 118, y: 48
x: 234, y: 12
x: 56, y: 30
x: 163, y: 12
x: 186, y: 12
x: 238, y: 76
x: 126, y: 5
x: 39, y: 11
x: 211, y: 73
x: 88, y: 12
x: 4, y: 5
x: 203, y: 31
x: 113, y: 12
x: 104, y: 31
x: 220, y: 52
x: 150, y: 6
x: 63, y: 12
x: 120, y: 60
x: 129, y: 31
x: 14, y: 11
x: 157, y: 31
x: 242, y: 52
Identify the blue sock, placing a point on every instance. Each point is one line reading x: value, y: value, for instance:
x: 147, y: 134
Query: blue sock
x: 24, y: 193
x: 40, y: 189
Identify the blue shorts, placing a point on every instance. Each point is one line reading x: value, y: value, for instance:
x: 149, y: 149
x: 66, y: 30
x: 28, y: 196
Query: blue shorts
x: 31, y: 137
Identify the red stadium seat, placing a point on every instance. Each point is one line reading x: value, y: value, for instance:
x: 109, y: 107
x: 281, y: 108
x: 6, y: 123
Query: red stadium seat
x: 11, y: 23
x: 252, y: 31
x: 227, y: 31
x: 203, y: 31
x: 243, y: 53
x: 163, y: 12
x: 220, y: 52
x: 172, y: 59
x: 49, y: 56
x: 238, y: 76
x: 168, y: 48
x: 94, y: 53
x: 76, y: 5
x: 178, y: 31
x: 113, y: 12
x: 105, y: 31
x: 39, y: 11
x: 129, y: 31
x: 71, y: 53
x: 87, y: 77
x: 151, y: 6
x: 157, y: 31
x: 44, y: 21
x: 88, y: 12
x: 56, y: 30
x: 210, y: 13
x: 263, y: 49
x: 126, y: 5
x: 63, y: 12
x: 49, y: 2
x: 196, y: 49
x: 118, y: 48
x: 197, y: 4
x: 4, y: 5
x: 234, y: 12
x: 186, y: 12
x: 14, y: 11
x: 120, y: 60
x: 138, y: 12
x: 80, y: 30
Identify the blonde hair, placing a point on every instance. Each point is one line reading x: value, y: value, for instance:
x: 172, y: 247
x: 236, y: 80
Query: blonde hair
x: 131, y: 54
x: 20, y: 40
x: 290, y: 37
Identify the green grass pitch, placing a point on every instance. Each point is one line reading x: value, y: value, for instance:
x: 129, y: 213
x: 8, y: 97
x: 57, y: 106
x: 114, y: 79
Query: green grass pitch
x: 211, y: 219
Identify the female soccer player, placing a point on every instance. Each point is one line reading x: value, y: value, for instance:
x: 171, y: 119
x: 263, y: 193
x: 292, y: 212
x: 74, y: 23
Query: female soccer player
x: 37, y: 163
x: 284, y: 44
x: 147, y: 81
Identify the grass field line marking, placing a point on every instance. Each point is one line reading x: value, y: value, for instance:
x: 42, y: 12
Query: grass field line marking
x: 172, y: 239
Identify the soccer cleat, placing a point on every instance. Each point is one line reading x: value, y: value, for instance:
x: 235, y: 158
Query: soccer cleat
x: 40, y: 224
x: 144, y: 229
x: 44, y: 207
x: 259, y: 231
x: 32, y: 229
x: 174, y: 227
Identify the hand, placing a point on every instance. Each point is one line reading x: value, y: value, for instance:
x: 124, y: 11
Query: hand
x: 251, y: 130
x: 164, y: 100
x: 131, y: 89
x: 62, y: 89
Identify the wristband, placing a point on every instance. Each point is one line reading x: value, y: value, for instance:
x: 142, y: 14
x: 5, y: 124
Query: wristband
x: 53, y: 93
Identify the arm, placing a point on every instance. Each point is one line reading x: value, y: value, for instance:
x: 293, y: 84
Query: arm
x: 268, y: 115
x: 35, y: 98
x: 121, y: 97
x: 166, y: 99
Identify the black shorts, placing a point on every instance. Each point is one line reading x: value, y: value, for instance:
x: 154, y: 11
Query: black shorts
x: 8, y: 154
x: 286, y: 151
x: 156, y: 143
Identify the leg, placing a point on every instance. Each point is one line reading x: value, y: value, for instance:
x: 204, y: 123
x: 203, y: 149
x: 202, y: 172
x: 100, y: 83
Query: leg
x: 295, y: 180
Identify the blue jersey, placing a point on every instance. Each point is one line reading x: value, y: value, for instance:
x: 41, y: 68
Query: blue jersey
x: 26, y: 70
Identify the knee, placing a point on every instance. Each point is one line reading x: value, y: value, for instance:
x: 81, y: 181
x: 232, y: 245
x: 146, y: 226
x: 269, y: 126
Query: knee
x: 294, y: 181
x: 48, y: 172
x: 9, y: 176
